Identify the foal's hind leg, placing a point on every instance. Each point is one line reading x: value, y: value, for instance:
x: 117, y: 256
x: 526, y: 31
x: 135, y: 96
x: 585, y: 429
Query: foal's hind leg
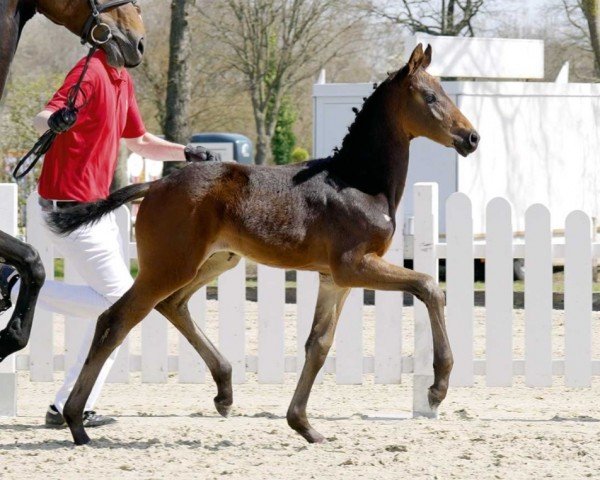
x: 175, y: 308
x: 111, y: 329
x: 329, y: 305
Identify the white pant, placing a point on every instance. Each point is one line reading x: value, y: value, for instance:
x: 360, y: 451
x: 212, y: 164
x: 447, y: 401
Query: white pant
x: 96, y: 253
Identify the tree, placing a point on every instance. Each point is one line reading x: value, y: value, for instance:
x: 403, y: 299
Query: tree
x: 17, y: 134
x: 274, y: 45
x: 591, y: 10
x: 176, y: 128
x: 444, y: 17
x: 284, y: 140
x: 584, y: 16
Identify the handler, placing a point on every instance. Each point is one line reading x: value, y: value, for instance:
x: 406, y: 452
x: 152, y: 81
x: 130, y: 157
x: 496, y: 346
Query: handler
x: 79, y: 167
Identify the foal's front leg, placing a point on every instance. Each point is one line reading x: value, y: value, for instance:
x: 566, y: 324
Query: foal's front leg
x: 373, y: 272
x: 329, y: 305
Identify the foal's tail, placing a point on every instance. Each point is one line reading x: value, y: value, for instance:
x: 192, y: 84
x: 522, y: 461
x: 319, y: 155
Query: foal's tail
x: 70, y: 219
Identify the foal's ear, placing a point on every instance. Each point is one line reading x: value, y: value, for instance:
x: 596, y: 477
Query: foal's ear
x: 426, y: 57
x: 416, y: 59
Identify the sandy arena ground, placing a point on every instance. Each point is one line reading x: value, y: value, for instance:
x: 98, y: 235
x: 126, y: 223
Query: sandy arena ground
x: 172, y: 431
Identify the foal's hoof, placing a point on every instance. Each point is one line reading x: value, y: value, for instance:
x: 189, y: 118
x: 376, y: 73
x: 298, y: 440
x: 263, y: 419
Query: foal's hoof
x: 435, y: 398
x: 312, y: 436
x: 81, y: 438
x: 9, y: 344
x: 223, y: 407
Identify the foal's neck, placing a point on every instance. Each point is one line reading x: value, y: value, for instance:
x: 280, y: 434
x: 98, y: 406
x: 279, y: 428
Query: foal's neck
x: 374, y: 154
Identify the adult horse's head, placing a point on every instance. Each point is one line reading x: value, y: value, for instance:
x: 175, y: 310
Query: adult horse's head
x: 427, y: 111
x: 124, y: 48
x: 118, y: 26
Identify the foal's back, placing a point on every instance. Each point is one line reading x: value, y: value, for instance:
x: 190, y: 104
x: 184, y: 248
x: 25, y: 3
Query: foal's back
x: 293, y: 216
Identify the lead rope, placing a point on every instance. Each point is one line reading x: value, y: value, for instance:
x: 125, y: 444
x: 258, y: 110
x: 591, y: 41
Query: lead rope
x: 47, y: 139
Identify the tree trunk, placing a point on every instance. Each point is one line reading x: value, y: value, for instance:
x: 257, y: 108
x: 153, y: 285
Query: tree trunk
x: 120, y: 178
x: 591, y: 10
x: 263, y: 140
x: 263, y: 149
x: 176, y: 126
x: 450, y: 20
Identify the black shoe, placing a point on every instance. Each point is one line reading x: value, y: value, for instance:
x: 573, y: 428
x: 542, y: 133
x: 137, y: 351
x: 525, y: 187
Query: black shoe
x: 8, y: 277
x: 90, y: 419
x: 54, y: 419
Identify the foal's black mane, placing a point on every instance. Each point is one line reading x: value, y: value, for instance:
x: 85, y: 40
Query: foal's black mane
x: 364, y: 157
x: 366, y: 117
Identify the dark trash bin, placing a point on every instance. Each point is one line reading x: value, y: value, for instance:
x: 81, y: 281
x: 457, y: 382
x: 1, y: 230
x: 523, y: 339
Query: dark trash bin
x: 232, y: 147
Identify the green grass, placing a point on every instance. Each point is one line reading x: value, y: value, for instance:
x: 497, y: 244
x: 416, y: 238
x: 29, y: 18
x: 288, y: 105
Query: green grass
x: 59, y: 268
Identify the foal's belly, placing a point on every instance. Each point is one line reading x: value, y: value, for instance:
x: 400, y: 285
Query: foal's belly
x: 293, y: 256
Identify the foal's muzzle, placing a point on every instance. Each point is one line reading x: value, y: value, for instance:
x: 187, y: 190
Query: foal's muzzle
x: 467, y: 142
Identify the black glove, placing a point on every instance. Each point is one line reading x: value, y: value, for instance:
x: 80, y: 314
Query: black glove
x: 196, y: 153
x: 62, y: 120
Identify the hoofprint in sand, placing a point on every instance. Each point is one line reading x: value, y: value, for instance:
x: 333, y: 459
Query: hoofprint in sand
x: 172, y: 431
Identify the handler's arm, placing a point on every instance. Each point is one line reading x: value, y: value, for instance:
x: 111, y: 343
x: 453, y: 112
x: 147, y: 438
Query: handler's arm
x: 151, y: 146
x: 40, y: 122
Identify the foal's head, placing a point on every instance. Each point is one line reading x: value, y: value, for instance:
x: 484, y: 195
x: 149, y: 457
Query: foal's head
x: 125, y: 48
x: 426, y: 110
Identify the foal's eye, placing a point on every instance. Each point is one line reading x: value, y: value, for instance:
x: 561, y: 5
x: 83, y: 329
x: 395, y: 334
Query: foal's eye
x: 430, y: 98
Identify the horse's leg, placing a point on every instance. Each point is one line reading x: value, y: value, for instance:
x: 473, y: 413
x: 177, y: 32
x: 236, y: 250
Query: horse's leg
x: 111, y: 329
x: 373, y: 272
x: 175, y: 308
x: 329, y: 305
x: 156, y: 281
x: 27, y: 262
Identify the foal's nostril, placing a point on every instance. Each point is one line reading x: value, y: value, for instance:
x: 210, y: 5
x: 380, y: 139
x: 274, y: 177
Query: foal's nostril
x: 474, y: 139
x: 141, y: 46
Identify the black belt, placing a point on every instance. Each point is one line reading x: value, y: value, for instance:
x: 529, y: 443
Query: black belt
x: 56, y: 204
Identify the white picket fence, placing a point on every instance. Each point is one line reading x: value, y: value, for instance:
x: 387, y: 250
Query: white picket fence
x: 389, y: 361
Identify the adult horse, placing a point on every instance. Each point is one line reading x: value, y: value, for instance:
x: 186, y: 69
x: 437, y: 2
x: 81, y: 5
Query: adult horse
x: 115, y: 24
x: 333, y: 215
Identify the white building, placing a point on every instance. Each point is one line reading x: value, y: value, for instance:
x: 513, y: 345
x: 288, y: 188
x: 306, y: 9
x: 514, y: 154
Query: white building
x: 540, y: 142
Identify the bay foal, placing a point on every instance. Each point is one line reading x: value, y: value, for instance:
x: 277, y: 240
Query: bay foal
x: 334, y: 215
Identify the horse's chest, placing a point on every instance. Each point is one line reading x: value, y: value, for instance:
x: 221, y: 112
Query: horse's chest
x: 372, y: 223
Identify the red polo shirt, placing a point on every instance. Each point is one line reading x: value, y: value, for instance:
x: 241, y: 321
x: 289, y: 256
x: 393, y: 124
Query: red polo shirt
x: 81, y: 162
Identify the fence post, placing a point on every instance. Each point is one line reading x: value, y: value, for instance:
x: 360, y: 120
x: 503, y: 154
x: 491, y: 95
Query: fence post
x: 538, y: 297
x: 41, y: 350
x: 348, y: 341
x: 425, y: 261
x: 499, y: 294
x: 388, y: 316
x: 271, y: 333
x: 232, y: 322
x: 8, y: 371
x: 459, y: 287
x: 578, y: 300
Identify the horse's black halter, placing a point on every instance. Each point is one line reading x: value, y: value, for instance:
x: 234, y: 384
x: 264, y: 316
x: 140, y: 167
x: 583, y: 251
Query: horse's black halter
x: 95, y: 31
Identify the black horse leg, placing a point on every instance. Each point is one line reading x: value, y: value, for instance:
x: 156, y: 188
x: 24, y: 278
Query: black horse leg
x: 27, y: 262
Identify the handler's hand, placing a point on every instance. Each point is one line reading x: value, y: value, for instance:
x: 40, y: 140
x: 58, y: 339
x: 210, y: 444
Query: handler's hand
x: 62, y: 120
x: 196, y: 153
